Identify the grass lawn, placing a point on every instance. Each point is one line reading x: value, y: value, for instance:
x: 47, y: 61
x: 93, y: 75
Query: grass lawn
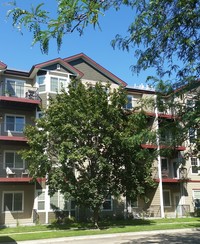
x: 22, y: 233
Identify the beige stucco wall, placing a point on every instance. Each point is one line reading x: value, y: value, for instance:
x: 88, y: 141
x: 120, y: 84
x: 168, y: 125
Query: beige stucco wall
x: 21, y: 218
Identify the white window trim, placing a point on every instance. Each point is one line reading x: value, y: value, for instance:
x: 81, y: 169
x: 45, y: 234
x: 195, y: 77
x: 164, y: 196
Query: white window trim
x: 126, y: 106
x: 69, y: 209
x: 36, y: 200
x: 47, y: 79
x: 108, y: 210
x: 45, y: 83
x: 198, y: 165
x: 193, y: 197
x: 195, y: 136
x: 15, y: 80
x: 137, y: 203
x: 13, y: 115
x: 193, y: 190
x: 167, y: 163
x: 39, y: 114
x: 47, y: 207
x: 13, y: 192
x: 4, y: 159
x: 170, y: 199
x: 58, y: 77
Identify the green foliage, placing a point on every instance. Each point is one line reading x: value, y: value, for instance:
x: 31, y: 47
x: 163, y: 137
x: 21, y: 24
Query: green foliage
x: 89, y: 147
x: 71, y: 16
x: 165, y: 32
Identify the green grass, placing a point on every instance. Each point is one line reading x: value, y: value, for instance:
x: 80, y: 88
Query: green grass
x: 22, y: 233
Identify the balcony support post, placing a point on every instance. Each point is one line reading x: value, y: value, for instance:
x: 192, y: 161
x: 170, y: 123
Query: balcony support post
x: 159, y: 163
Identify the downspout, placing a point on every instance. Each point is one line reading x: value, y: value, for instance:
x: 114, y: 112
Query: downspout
x: 47, y: 199
x: 162, y: 215
x: 47, y: 204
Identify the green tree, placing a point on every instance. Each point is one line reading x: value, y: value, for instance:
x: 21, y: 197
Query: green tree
x: 89, y: 147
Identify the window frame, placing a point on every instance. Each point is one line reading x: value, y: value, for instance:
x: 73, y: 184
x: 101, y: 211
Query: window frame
x: 37, y: 200
x: 193, y: 165
x: 3, y: 203
x: 109, y: 199
x: 162, y: 169
x: 59, y: 83
x: 15, y: 124
x: 15, y: 87
x: 67, y: 202
x: 134, y: 204
x: 194, y: 198
x: 170, y: 200
x: 39, y: 114
x: 192, y: 134
x: 129, y: 104
x: 14, y: 163
x: 43, y: 84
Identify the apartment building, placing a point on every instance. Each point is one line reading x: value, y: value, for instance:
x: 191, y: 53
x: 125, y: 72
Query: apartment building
x: 24, y: 94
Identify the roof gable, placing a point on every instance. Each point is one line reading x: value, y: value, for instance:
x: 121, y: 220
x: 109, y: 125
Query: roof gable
x: 72, y: 59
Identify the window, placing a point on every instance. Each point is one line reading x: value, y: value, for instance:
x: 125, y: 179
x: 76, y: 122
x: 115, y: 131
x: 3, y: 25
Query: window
x: 13, y: 160
x: 14, y: 123
x: 108, y: 204
x: 134, y: 204
x: 166, y: 198
x: 13, y: 201
x: 39, y: 114
x: 15, y: 88
x: 164, y: 164
x: 41, y: 82
x: 194, y: 165
x: 161, y: 106
x: 192, y: 135
x: 40, y: 200
x: 191, y: 104
x: 59, y: 202
x: 129, y: 104
x: 56, y: 84
x: 165, y: 136
x: 196, y: 196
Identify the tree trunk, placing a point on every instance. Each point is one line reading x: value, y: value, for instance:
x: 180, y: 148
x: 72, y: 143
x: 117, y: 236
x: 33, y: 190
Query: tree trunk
x: 96, y: 217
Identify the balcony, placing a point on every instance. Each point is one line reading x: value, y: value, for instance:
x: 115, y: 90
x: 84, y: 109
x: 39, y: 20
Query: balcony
x: 155, y: 146
x: 20, y: 93
x: 15, y: 176
x: 12, y: 132
x: 171, y: 175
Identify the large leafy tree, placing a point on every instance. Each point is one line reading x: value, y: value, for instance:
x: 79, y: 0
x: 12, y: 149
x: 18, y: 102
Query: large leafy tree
x: 89, y: 147
x: 164, y: 35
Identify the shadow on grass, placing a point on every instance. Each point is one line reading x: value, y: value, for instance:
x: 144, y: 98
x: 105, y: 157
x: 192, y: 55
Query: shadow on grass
x: 104, y: 224
x: 195, y: 225
x: 4, y: 239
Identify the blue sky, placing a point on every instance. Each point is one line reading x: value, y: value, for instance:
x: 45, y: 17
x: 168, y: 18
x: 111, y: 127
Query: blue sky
x: 16, y: 50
